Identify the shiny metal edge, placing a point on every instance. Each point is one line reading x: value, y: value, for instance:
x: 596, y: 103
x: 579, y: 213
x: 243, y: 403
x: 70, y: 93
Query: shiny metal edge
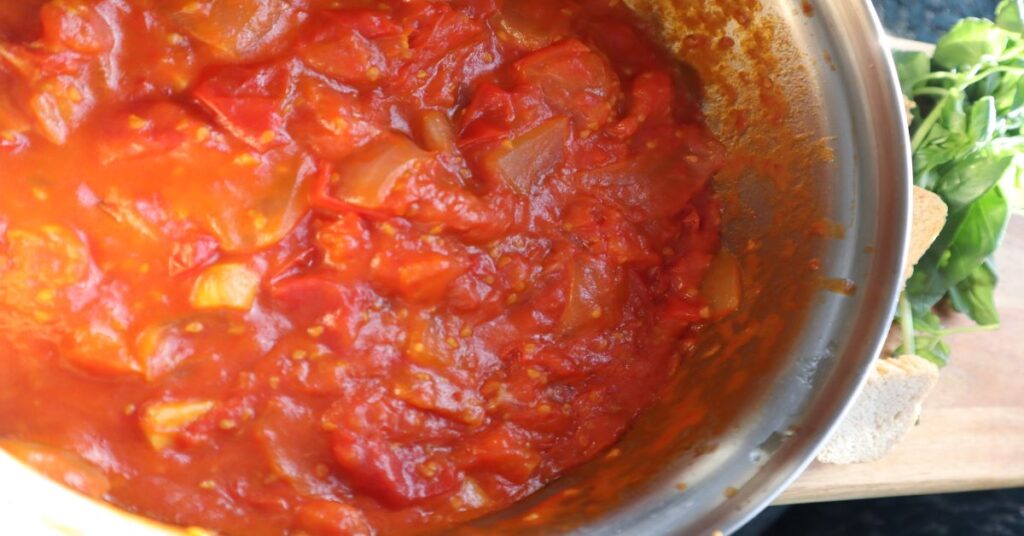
x: 894, y: 103
x: 833, y: 359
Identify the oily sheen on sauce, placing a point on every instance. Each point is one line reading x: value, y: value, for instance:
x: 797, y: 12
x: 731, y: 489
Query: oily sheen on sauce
x: 345, y: 267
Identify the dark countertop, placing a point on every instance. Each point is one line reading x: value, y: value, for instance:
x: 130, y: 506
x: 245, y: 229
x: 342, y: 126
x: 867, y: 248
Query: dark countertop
x: 927, y: 20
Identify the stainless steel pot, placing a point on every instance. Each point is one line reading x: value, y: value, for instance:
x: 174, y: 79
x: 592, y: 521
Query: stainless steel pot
x: 817, y: 201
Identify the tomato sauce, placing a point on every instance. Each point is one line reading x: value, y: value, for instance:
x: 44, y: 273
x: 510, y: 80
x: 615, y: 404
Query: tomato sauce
x: 343, y: 267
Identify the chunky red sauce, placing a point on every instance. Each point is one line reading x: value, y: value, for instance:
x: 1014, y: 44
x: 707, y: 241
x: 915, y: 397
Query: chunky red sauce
x: 341, y: 266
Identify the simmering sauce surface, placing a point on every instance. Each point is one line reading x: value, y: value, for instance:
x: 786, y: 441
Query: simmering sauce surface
x: 347, y: 267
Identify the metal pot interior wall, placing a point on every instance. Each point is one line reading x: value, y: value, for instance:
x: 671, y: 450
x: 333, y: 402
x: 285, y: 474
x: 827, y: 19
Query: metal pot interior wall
x: 816, y: 201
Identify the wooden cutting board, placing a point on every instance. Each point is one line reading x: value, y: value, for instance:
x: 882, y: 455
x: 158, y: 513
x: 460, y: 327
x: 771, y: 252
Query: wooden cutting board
x: 971, y: 433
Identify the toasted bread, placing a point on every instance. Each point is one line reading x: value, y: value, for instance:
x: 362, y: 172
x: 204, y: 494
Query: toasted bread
x: 890, y: 402
x: 929, y: 217
x: 884, y: 412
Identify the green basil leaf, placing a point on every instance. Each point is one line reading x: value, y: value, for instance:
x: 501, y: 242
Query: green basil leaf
x: 927, y: 286
x: 986, y: 87
x: 982, y: 122
x: 1010, y: 95
x: 975, y: 296
x: 978, y: 236
x: 943, y: 148
x: 973, y: 176
x: 971, y: 41
x: 911, y: 67
x: 1013, y: 187
x: 968, y: 239
x: 1008, y: 15
x: 927, y: 178
x: 953, y: 116
x: 927, y: 341
x: 947, y: 139
x: 935, y: 350
x: 968, y: 146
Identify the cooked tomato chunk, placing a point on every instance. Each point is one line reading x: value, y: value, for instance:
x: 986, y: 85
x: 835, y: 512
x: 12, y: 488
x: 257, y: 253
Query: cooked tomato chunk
x: 366, y: 179
x: 574, y: 79
x: 250, y: 102
x: 329, y: 518
x: 237, y: 29
x: 76, y: 25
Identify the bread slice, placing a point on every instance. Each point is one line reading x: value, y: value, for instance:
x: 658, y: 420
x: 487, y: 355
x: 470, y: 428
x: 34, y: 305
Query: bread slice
x: 929, y: 217
x: 886, y: 409
x: 890, y: 403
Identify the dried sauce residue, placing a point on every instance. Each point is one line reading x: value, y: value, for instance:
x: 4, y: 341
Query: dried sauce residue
x: 807, y: 8
x: 839, y: 286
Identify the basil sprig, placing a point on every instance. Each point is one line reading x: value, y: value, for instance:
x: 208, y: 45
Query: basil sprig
x: 968, y: 147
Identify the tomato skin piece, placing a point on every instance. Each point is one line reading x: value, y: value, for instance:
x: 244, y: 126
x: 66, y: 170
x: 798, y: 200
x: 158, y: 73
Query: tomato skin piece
x: 344, y: 53
x: 427, y: 277
x: 329, y: 518
x: 237, y: 29
x: 432, y: 391
x: 319, y: 195
x: 381, y: 445
x: 441, y: 50
x: 524, y: 160
x: 75, y: 25
x: 651, y: 97
x: 415, y: 270
x: 365, y: 180
x: 346, y: 246
x: 575, y: 80
x: 289, y: 434
x: 161, y: 348
x: 371, y: 23
x: 190, y: 255
x: 314, y: 299
x: 331, y: 123
x: 595, y: 295
x: 440, y: 33
x: 534, y: 24
x: 502, y: 450
x: 249, y: 102
x: 308, y: 297
x: 396, y: 476
x: 354, y: 46
x: 487, y: 117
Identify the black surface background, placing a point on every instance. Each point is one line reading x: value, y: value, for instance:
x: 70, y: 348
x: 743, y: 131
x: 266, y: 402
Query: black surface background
x: 927, y: 20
